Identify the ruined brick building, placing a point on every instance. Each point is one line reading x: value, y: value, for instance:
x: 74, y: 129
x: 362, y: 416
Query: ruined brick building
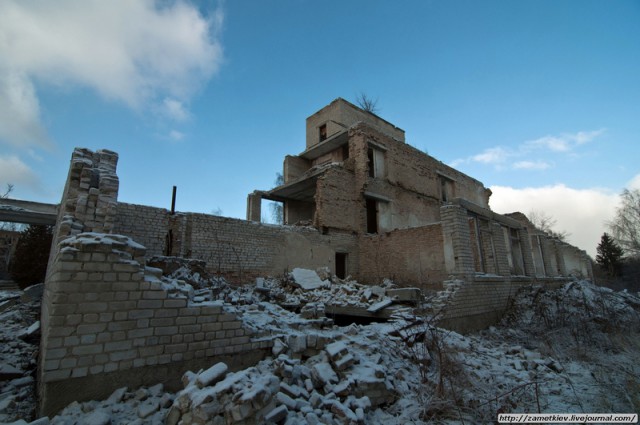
x: 413, y: 218
x: 371, y: 206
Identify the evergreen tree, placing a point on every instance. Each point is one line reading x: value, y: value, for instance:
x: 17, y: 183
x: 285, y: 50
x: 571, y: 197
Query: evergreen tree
x: 29, y: 263
x: 609, y: 255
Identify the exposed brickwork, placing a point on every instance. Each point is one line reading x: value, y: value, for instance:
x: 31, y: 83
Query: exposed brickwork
x: 147, y: 225
x: 455, y: 227
x: 499, y: 244
x: 479, y: 302
x: 335, y: 197
x: 105, y: 314
x: 410, y: 257
x: 525, y: 243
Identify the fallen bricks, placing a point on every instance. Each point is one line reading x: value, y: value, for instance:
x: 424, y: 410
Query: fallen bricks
x: 331, y: 387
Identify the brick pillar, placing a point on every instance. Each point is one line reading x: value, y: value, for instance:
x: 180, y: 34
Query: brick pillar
x: 559, y: 251
x: 254, y: 204
x: 457, y: 240
x: 550, y: 266
x: 500, y: 247
x: 527, y: 253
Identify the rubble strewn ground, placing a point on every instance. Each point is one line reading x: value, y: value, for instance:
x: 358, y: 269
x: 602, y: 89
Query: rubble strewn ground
x: 573, y: 349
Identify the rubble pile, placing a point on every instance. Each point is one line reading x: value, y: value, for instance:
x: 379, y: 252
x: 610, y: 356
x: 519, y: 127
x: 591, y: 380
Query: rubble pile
x: 304, y: 291
x: 145, y: 405
x: 332, y: 387
x: 19, y: 341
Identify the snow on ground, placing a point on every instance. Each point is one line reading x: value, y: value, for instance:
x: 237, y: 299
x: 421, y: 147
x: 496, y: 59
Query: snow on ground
x: 573, y: 349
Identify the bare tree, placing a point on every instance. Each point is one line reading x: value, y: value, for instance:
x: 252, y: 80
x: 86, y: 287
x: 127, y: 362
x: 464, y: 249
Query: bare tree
x: 8, y: 191
x: 277, y: 209
x: 3, y: 224
x: 546, y: 223
x: 367, y: 103
x: 625, y: 225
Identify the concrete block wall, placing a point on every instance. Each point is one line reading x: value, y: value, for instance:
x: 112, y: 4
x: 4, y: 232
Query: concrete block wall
x: 110, y: 319
x: 411, y: 257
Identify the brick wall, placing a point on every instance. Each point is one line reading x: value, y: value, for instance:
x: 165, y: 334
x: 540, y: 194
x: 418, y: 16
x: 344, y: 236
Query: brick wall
x: 105, y: 316
x: 338, y: 202
x: 477, y: 303
x: 148, y: 226
x: 411, y: 257
x: 237, y: 249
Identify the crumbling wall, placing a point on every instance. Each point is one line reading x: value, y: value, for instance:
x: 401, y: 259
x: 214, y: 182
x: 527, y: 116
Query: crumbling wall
x: 107, y: 321
x: 410, y: 257
x: 113, y: 322
x: 236, y: 249
x: 479, y: 302
x: 337, y: 200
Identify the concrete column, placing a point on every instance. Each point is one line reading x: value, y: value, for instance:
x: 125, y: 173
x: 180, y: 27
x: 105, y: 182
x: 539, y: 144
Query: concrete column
x: 254, y: 204
x: 457, y: 240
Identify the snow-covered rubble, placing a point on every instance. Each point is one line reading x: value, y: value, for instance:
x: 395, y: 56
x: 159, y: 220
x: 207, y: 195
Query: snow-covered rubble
x: 19, y: 339
x: 573, y: 349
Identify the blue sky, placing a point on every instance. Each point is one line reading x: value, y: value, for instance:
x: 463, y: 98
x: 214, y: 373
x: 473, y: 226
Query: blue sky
x: 539, y: 100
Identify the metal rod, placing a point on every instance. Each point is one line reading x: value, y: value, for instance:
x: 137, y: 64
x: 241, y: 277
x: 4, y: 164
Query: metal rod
x: 173, y: 201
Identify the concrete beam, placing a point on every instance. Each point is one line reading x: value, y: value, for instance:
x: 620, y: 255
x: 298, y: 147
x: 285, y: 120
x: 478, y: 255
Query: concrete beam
x: 28, y: 212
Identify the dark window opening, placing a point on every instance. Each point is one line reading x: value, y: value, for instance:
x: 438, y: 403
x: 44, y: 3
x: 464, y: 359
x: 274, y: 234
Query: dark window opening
x: 372, y: 216
x: 341, y: 265
x: 372, y: 170
x: 443, y: 187
x: 446, y: 189
x: 323, y: 132
x: 345, y: 152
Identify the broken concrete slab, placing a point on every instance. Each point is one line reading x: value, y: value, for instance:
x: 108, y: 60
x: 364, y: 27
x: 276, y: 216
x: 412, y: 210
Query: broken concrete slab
x: 307, y: 279
x: 8, y: 372
x: 380, y: 305
x: 409, y: 295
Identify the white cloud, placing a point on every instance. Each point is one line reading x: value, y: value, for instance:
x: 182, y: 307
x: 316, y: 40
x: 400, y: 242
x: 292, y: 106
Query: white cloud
x: 581, y: 212
x: 176, y: 135
x: 138, y: 53
x: 531, y: 165
x: 499, y: 156
x: 14, y: 171
x: 495, y: 155
x: 565, y: 142
x: 175, y: 109
x: 20, y: 111
x: 634, y: 183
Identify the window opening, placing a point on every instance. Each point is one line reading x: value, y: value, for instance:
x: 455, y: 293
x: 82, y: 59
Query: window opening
x: 341, y: 265
x: 345, y: 152
x: 372, y: 172
x: 446, y: 189
x: 372, y: 216
x: 323, y: 132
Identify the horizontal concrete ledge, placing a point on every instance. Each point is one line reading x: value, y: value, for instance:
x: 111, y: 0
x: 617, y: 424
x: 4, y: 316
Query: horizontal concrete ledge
x: 27, y: 217
x: 55, y: 396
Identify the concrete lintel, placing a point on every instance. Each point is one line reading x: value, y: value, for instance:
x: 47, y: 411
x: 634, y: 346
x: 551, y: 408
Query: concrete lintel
x: 377, y: 197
